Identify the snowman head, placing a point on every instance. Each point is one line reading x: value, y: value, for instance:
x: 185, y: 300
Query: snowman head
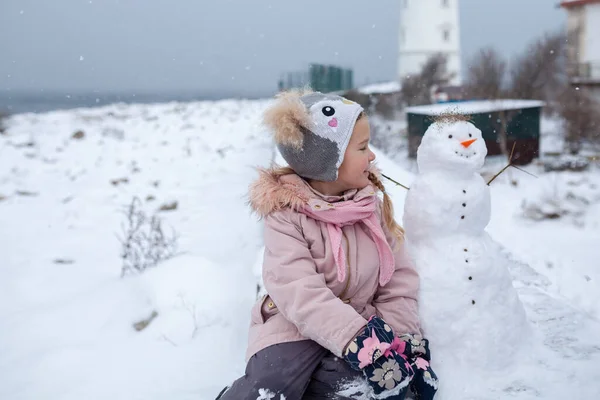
x: 451, y: 144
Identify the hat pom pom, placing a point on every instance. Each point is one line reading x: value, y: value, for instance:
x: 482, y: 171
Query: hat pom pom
x: 287, y: 118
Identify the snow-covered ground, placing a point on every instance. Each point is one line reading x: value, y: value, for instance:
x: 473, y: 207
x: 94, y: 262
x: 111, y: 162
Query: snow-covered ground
x: 67, y: 317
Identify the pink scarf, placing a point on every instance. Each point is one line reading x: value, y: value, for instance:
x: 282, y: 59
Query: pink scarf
x: 348, y: 213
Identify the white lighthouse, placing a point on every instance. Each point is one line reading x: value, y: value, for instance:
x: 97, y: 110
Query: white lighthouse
x: 429, y: 27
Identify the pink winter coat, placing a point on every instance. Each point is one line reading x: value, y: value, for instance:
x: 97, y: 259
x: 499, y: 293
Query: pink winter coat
x: 306, y: 300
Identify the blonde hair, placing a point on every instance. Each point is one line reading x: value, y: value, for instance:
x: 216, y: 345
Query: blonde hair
x: 387, y: 213
x: 278, y: 171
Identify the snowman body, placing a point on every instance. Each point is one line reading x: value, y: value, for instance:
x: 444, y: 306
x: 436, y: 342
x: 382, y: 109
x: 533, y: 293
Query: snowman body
x: 470, y: 311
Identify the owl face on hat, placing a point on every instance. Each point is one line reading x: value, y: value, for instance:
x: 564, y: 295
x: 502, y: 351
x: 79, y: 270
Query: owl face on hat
x: 312, y: 131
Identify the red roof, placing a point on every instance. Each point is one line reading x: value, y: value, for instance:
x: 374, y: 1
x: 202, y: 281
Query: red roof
x: 576, y: 3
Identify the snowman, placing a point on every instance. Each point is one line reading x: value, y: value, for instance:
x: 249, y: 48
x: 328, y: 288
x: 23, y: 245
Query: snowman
x: 469, y: 309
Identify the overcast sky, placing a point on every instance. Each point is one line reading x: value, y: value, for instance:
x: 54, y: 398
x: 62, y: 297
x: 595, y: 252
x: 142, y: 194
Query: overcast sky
x: 236, y: 46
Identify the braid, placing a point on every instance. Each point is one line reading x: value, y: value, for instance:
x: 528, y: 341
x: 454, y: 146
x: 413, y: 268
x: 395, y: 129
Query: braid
x: 388, y: 209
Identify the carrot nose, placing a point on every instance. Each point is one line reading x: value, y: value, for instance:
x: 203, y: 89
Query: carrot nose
x: 467, y: 143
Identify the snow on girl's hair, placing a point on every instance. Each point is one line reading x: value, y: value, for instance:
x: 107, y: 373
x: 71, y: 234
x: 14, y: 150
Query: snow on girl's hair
x: 312, y: 131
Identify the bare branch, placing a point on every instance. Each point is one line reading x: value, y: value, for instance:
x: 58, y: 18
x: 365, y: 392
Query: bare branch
x: 581, y: 115
x: 416, y: 90
x: 540, y: 69
x: 397, y: 183
x: 486, y: 75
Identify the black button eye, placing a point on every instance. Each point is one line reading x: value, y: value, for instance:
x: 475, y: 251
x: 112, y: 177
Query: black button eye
x: 470, y: 135
x: 449, y: 136
x: 328, y: 111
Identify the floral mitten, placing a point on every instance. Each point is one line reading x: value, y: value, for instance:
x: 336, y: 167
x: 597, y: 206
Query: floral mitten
x: 390, y: 375
x: 373, y: 352
x: 370, y: 344
x: 425, y: 382
x: 415, y: 346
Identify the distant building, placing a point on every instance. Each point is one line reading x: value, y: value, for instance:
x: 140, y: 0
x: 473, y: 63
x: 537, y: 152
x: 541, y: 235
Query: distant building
x: 429, y: 27
x: 583, y: 24
x: 320, y: 77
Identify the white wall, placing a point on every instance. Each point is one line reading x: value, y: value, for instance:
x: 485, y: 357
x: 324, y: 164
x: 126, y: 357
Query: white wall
x: 576, y: 19
x: 592, y: 46
x: 423, y: 26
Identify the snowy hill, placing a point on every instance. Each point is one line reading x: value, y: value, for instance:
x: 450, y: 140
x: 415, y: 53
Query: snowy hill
x: 67, y: 317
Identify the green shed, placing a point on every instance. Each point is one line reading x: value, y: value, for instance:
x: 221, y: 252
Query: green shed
x: 521, y: 117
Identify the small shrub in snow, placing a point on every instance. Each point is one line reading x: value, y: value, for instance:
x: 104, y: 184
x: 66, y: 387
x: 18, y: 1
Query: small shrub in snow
x: 566, y: 163
x: 26, y: 193
x: 570, y: 199
x: 144, y: 244
x: 78, y: 135
x: 2, y: 127
x: 118, y: 181
x: 169, y: 206
x: 64, y: 261
x: 545, y: 208
x: 143, y: 324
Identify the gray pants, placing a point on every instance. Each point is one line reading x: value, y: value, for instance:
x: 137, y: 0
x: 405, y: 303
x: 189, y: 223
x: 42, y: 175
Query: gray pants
x: 298, y: 371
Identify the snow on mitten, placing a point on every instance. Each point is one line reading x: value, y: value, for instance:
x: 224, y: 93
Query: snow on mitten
x: 389, y: 376
x: 370, y: 344
x: 415, y: 346
x: 425, y: 381
x: 374, y: 352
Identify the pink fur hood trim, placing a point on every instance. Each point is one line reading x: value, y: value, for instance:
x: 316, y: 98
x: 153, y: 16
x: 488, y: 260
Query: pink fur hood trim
x: 272, y: 192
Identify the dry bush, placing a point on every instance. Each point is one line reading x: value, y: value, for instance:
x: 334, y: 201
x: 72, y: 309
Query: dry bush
x: 144, y: 243
x: 387, y: 105
x: 581, y: 115
x: 562, y: 199
x: 416, y: 89
x: 486, y: 75
x: 361, y: 98
x: 540, y: 72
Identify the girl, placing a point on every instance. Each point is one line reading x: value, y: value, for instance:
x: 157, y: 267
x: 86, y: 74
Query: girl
x: 340, y: 318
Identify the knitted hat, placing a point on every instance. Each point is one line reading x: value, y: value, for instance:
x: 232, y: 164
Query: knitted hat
x: 312, y: 131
